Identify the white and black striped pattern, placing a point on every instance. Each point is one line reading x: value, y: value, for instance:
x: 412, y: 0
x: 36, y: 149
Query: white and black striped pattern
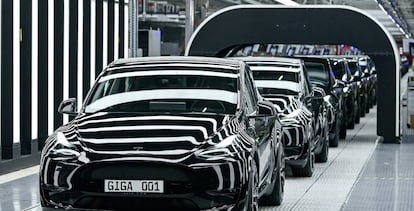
x: 53, y: 50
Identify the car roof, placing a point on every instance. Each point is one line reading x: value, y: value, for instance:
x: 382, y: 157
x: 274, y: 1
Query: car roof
x: 281, y: 63
x: 175, y: 59
x: 270, y: 59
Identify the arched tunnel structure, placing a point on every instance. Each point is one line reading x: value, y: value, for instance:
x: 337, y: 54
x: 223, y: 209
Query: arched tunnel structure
x: 259, y: 24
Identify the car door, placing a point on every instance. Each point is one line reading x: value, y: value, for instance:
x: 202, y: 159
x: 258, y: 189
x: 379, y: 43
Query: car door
x: 261, y: 127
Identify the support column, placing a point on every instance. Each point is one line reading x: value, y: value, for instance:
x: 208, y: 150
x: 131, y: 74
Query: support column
x: 58, y: 61
x: 99, y: 38
x: 7, y: 79
x: 86, y: 46
x: 42, y: 109
x: 25, y: 76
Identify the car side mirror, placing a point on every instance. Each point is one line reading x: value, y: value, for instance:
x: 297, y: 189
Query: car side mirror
x: 266, y: 108
x: 339, y: 84
x: 69, y: 107
x: 318, y: 92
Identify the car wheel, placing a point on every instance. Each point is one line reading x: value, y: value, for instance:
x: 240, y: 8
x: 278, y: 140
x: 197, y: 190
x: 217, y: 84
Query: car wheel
x: 335, y: 134
x: 357, y: 113
x: 342, y: 130
x: 276, y: 197
x: 363, y: 107
x: 367, y: 106
x: 322, y: 157
x: 306, y: 171
x: 351, y: 121
x: 252, y: 199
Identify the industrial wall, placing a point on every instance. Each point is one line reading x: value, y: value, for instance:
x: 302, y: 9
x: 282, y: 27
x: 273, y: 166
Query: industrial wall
x: 52, y: 50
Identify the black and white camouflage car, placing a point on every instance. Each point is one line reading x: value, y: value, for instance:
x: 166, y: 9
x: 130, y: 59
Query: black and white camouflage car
x: 166, y: 133
x: 302, y: 110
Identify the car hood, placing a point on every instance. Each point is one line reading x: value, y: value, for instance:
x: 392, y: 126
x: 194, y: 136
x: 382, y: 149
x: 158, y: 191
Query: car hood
x: 161, y: 135
x: 284, y: 104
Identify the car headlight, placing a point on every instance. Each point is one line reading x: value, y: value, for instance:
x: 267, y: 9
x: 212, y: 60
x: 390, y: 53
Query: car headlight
x: 346, y: 89
x: 63, y: 149
x: 218, y: 151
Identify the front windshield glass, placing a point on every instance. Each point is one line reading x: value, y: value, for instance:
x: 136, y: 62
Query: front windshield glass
x: 338, y: 70
x: 277, y: 82
x: 317, y: 72
x: 165, y: 91
x: 353, y: 66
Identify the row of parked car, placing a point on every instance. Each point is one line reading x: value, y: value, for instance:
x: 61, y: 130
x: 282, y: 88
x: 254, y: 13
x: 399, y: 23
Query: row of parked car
x: 197, y: 133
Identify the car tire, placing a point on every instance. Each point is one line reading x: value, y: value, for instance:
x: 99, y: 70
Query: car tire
x: 307, y: 170
x: 367, y: 106
x: 252, y: 196
x: 276, y: 197
x: 351, y: 121
x: 363, y: 108
x: 357, y: 113
x: 342, y: 130
x: 335, y: 134
x: 322, y: 157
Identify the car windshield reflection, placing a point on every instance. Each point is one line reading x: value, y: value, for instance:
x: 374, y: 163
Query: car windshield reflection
x: 165, y: 91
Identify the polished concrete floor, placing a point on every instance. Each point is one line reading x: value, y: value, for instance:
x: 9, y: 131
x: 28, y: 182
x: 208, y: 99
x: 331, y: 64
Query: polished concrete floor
x: 361, y: 174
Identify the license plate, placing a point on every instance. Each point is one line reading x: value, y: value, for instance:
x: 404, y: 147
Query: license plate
x: 134, y: 186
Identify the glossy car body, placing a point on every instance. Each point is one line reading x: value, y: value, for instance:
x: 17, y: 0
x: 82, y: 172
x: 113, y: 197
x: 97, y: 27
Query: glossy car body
x: 347, y: 85
x: 368, y: 67
x: 363, y: 85
x: 284, y: 82
x: 321, y: 75
x: 196, y: 124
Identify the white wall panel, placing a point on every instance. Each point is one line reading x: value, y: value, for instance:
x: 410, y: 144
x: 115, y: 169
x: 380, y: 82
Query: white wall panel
x: 16, y: 71
x: 93, y: 41
x: 80, y: 53
x: 116, y: 31
x: 65, y: 54
x: 50, y: 65
x: 126, y: 25
x: 105, y: 35
x: 35, y: 42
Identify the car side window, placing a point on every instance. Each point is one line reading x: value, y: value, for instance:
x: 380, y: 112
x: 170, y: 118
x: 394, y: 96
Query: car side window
x: 249, y: 95
x: 305, y: 84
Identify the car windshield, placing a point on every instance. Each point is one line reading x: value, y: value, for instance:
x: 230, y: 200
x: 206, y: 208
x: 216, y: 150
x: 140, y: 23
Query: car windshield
x: 277, y: 82
x: 338, y: 70
x: 276, y: 76
x: 317, y: 72
x: 165, y: 91
x: 353, y: 66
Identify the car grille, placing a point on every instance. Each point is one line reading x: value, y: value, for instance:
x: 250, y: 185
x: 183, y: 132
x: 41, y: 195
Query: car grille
x: 177, y: 179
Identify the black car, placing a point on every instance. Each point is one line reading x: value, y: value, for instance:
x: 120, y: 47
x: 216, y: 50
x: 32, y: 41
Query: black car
x: 177, y: 133
x: 321, y: 75
x: 347, y: 85
x: 368, y: 66
x: 362, y: 81
x: 302, y: 110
